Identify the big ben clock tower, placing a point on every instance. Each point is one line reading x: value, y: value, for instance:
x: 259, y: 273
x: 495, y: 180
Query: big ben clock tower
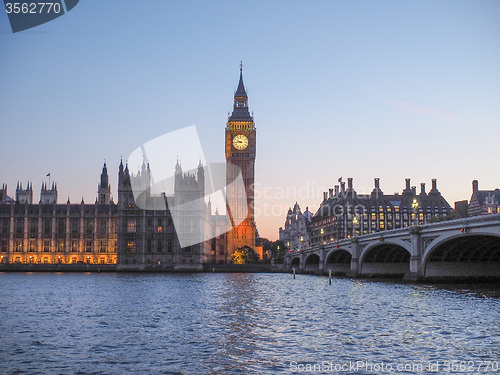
x: 240, y: 151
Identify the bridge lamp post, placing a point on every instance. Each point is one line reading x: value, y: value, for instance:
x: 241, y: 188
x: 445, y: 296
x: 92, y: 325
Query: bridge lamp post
x: 354, y: 225
x: 414, y: 205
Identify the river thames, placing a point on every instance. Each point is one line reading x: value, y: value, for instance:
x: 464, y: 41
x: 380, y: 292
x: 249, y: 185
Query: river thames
x: 70, y: 323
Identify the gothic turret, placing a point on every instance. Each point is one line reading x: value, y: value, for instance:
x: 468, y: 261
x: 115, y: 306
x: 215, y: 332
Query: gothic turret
x: 104, y: 189
x: 24, y: 195
x: 48, y: 195
x: 3, y: 193
x: 240, y: 107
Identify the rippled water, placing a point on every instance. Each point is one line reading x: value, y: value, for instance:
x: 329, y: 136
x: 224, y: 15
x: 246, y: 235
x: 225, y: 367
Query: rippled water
x: 237, y: 324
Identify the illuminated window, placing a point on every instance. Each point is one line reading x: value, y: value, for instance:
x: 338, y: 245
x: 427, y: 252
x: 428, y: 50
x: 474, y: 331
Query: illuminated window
x: 18, y: 246
x: 46, y: 246
x: 130, y: 246
x: 160, y: 229
x: 322, y: 231
x: 131, y: 226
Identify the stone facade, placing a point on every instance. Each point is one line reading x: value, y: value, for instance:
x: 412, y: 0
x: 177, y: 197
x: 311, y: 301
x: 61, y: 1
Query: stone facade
x: 56, y: 233
x: 148, y: 237
x: 344, y: 213
x: 142, y: 230
x: 241, y: 147
x: 483, y: 202
x: 295, y: 234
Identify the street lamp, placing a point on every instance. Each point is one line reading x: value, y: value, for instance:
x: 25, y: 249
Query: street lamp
x: 414, y: 205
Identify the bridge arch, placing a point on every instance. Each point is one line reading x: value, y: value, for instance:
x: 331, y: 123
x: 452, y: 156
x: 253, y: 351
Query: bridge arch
x: 385, y: 258
x: 311, y: 263
x: 463, y: 255
x: 338, y: 260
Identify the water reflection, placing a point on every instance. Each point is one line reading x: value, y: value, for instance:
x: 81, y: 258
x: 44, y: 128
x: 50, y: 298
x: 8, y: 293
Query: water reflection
x: 235, y: 323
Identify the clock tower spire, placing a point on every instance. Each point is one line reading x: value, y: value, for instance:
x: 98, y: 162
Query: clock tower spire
x: 240, y: 152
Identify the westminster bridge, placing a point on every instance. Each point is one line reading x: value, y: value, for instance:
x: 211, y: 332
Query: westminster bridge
x: 468, y: 247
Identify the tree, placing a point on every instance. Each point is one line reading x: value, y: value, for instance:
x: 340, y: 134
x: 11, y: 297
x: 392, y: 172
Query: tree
x: 451, y: 216
x: 245, y: 255
x: 278, y: 251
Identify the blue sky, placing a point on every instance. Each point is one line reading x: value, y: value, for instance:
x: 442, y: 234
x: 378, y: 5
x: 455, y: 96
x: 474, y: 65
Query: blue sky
x: 358, y: 89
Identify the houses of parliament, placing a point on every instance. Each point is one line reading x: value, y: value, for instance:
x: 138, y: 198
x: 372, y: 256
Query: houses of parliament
x: 125, y: 234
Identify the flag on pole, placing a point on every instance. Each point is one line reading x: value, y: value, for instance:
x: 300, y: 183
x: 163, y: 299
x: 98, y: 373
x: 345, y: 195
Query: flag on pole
x: 48, y: 174
x: 340, y: 179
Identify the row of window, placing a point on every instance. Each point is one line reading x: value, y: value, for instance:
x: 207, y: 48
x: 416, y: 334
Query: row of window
x: 45, y: 226
x: 62, y: 246
x: 158, y: 246
x: 362, y: 211
x: 240, y: 126
x: 73, y: 260
x: 157, y: 225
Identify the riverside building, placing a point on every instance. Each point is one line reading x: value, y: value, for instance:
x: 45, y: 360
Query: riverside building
x: 132, y: 237
x: 344, y: 213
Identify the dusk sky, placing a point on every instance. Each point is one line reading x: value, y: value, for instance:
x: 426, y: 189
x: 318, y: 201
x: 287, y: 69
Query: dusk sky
x: 361, y: 89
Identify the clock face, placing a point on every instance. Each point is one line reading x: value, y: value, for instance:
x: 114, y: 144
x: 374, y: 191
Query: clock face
x: 240, y: 142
